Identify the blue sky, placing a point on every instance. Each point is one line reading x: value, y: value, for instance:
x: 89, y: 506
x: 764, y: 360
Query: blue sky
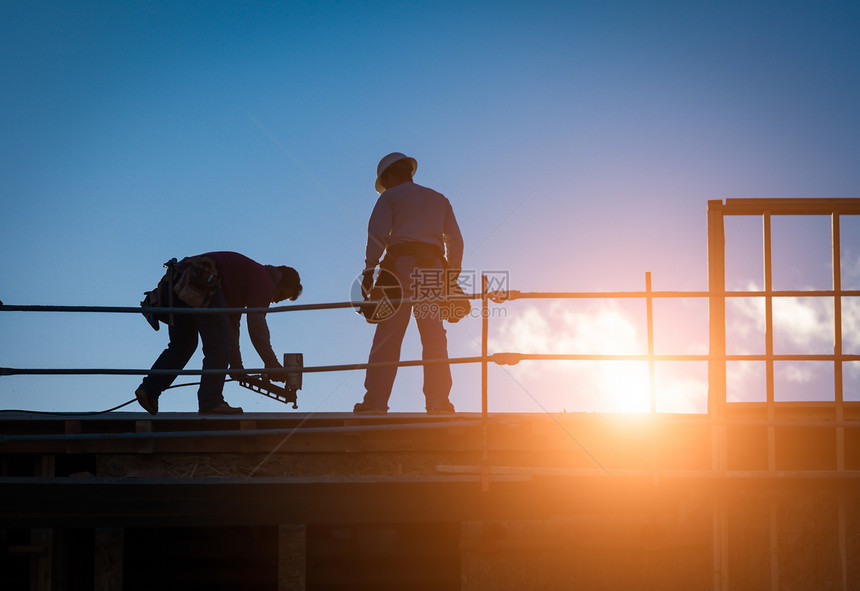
x: 578, y: 142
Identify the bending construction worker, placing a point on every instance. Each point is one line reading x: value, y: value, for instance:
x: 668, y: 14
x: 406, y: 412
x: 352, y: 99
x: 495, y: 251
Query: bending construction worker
x: 413, y: 226
x: 214, y: 280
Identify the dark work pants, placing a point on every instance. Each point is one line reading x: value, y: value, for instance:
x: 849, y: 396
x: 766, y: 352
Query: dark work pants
x: 214, y: 331
x: 388, y: 338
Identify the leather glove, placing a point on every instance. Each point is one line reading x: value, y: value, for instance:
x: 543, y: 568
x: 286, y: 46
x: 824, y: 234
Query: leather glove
x: 275, y: 374
x: 366, y: 283
x: 237, y: 376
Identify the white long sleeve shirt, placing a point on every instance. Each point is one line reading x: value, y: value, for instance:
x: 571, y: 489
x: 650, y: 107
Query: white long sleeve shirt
x: 409, y: 212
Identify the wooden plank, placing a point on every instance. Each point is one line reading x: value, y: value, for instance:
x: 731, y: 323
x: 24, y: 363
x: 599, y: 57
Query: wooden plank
x: 108, y: 557
x: 716, y: 309
x: 791, y: 206
x: 836, y: 263
x: 115, y: 502
x: 72, y: 428
x: 292, y: 555
x: 145, y: 446
x: 768, y: 328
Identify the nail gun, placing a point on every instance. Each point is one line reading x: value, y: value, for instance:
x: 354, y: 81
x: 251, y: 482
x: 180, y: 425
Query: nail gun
x: 293, y: 364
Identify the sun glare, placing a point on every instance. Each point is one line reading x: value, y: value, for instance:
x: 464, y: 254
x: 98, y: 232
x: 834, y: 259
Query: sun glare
x: 580, y: 385
x: 626, y: 385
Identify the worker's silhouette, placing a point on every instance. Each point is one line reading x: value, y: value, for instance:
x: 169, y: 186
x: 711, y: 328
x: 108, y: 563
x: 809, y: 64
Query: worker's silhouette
x: 414, y: 227
x: 230, y: 280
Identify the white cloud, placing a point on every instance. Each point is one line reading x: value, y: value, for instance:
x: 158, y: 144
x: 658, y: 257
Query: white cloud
x: 803, y: 325
x: 850, y: 269
x: 800, y: 325
x: 604, y: 328
x: 745, y: 324
x: 851, y: 325
x: 683, y: 394
x: 797, y: 373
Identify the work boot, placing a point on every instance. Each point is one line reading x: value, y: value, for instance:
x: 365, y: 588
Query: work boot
x: 362, y: 409
x: 147, y: 401
x: 446, y: 409
x: 222, y: 408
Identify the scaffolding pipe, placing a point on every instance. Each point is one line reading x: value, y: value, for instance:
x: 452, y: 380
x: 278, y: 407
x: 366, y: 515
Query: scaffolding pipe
x: 496, y: 297
x: 188, y: 310
x: 502, y: 358
x: 485, y: 327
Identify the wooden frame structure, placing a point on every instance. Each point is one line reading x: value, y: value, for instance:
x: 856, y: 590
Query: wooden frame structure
x: 775, y: 413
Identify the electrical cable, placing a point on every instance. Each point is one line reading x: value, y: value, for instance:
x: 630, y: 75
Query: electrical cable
x: 89, y: 413
x: 66, y: 413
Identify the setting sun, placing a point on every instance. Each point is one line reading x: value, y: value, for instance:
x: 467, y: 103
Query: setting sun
x: 594, y: 329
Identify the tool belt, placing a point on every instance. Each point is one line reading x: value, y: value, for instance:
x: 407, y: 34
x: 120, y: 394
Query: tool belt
x: 383, y: 299
x: 198, y: 281
x: 426, y: 255
x: 454, y: 310
x: 160, y: 297
x: 194, y: 280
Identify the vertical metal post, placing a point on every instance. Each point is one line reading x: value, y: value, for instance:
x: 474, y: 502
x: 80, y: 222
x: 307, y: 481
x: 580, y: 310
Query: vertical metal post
x: 652, y: 390
x: 649, y: 305
x: 485, y: 329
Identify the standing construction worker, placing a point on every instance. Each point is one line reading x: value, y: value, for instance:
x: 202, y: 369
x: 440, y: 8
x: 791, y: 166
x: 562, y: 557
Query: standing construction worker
x: 214, y: 280
x: 414, y: 227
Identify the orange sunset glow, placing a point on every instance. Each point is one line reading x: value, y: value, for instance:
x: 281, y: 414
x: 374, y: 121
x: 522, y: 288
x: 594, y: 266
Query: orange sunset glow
x: 611, y: 327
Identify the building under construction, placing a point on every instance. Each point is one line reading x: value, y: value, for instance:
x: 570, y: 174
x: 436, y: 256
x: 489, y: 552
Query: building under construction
x: 750, y: 495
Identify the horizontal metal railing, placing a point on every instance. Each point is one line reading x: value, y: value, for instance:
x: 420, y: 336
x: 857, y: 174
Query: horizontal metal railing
x: 499, y: 358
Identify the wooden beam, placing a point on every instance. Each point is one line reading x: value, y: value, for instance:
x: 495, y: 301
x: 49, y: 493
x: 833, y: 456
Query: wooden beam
x: 292, y: 555
x: 153, y: 502
x: 791, y: 206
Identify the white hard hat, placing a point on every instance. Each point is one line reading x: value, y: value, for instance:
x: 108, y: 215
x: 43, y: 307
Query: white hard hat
x: 388, y: 161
